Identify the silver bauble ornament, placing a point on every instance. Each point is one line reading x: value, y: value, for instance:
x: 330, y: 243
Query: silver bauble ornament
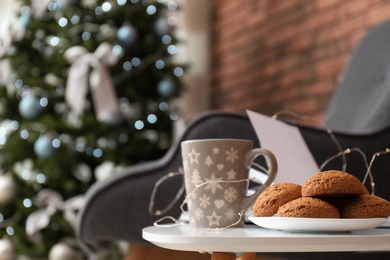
x: 7, y: 189
x: 29, y: 107
x: 43, y: 147
x: 62, y: 251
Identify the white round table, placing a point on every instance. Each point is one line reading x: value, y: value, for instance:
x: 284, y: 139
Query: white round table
x: 256, y: 239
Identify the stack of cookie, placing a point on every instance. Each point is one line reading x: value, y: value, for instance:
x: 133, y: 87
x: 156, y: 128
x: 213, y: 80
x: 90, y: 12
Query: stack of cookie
x: 328, y: 194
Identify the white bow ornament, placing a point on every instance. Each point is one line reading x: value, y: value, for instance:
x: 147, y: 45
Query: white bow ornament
x: 52, y: 202
x: 104, y: 97
x: 39, y: 7
x: 9, y: 30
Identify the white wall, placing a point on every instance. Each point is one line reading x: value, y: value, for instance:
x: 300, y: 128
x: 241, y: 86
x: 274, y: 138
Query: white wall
x: 193, y: 30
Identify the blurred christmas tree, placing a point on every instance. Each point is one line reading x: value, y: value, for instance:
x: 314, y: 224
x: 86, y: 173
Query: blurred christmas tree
x: 90, y: 90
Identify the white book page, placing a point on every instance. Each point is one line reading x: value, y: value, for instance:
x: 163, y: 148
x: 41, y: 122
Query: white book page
x: 295, y: 161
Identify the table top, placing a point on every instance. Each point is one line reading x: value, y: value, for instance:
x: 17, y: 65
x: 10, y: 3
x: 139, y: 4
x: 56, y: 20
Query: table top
x: 253, y: 238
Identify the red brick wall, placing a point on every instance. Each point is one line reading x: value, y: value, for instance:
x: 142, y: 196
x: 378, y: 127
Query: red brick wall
x: 274, y: 55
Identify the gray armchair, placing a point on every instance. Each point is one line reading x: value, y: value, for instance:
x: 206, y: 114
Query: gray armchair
x: 117, y: 208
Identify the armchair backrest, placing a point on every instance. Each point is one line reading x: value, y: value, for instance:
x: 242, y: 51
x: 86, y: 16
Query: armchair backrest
x: 361, y: 104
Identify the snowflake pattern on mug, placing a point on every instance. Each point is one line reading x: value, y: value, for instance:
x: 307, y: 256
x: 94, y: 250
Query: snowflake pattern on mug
x: 231, y: 214
x: 232, y: 155
x: 230, y: 194
x: 213, y: 183
x: 205, y: 201
x: 198, y: 213
x: 217, y: 182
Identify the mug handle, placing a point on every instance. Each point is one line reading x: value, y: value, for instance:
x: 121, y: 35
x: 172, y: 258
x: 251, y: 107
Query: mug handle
x: 272, y: 170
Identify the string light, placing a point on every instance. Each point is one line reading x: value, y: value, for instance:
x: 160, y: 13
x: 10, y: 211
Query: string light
x: 155, y: 189
x: 371, y: 163
x: 175, y: 222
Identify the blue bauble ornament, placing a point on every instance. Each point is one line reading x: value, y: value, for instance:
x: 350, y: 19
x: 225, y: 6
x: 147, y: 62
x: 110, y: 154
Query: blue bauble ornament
x: 43, y: 147
x: 29, y: 107
x: 166, y: 88
x: 127, y: 35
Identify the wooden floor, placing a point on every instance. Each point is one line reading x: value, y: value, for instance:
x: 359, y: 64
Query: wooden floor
x: 140, y: 252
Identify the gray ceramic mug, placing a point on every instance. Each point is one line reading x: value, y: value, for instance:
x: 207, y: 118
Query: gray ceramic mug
x: 216, y: 173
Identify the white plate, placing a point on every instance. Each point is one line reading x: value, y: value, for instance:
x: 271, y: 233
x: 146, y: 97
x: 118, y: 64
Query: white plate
x: 386, y: 224
x: 317, y: 224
